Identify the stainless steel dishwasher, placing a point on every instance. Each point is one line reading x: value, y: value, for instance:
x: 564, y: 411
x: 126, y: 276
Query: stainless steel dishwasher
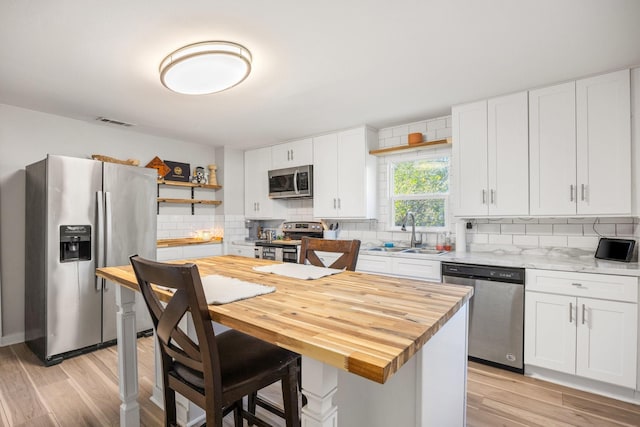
x: 496, y: 312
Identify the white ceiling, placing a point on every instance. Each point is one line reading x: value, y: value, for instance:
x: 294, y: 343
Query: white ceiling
x: 318, y: 66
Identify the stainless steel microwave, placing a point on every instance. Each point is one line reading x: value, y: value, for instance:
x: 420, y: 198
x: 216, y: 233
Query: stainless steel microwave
x: 291, y: 183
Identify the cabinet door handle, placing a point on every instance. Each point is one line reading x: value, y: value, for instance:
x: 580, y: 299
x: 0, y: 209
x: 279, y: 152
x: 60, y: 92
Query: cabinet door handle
x: 579, y: 285
x: 492, y: 199
x: 570, y: 312
x: 484, y: 196
x: 571, y: 192
x: 583, y: 311
x: 288, y: 155
x: 292, y: 154
x: 582, y: 192
x: 339, y: 203
x: 334, y: 203
x: 258, y: 205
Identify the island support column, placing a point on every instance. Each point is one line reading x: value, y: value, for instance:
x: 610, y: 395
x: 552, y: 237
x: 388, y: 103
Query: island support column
x: 319, y: 385
x: 127, y: 357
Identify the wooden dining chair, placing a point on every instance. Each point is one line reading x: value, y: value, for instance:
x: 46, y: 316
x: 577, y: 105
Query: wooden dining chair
x: 217, y: 371
x: 348, y: 248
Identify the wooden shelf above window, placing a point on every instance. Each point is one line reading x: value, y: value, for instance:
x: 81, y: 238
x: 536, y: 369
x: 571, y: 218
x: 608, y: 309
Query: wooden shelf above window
x: 407, y: 148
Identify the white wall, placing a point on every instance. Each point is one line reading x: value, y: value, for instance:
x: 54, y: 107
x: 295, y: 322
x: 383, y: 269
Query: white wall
x: 28, y: 136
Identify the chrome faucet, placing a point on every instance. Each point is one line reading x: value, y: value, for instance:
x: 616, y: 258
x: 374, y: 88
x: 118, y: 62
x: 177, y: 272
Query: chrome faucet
x: 414, y: 241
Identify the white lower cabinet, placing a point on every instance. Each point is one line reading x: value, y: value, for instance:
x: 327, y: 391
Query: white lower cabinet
x: 573, y: 326
x: 190, y: 251
x: 421, y: 269
x: 241, y: 250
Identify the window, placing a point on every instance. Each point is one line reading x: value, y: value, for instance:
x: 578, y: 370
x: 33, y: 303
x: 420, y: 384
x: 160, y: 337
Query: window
x: 420, y: 186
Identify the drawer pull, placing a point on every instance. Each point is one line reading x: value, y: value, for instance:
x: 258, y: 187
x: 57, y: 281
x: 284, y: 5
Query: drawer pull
x: 579, y: 285
x: 570, y: 312
x: 583, y: 311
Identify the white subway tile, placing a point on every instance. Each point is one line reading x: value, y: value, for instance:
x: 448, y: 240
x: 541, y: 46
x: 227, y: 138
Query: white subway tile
x: 580, y: 220
x: 582, y: 242
x: 478, y: 238
x: 385, y: 133
x: 552, y: 220
x: 418, y: 127
x: 448, y: 122
x: 401, y: 130
x: 443, y: 133
x: 539, y: 229
x: 436, y: 124
x: 489, y: 228
x: 525, y: 240
x: 553, y: 241
x: 604, y: 229
x: 626, y: 230
x: 512, y: 229
x: 500, y: 239
x: 525, y: 220
x: 619, y: 220
x: 392, y: 142
x: 566, y: 229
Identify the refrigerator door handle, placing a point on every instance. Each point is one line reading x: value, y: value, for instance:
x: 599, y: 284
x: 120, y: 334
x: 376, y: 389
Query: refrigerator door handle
x: 99, y: 245
x: 108, y: 227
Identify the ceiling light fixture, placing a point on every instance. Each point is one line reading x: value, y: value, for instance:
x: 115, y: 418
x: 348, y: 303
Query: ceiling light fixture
x: 206, y: 67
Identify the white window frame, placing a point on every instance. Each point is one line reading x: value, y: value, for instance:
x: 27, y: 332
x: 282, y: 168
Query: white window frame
x: 392, y: 198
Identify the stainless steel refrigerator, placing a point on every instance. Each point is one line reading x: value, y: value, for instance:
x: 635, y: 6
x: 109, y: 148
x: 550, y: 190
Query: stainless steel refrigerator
x: 82, y: 214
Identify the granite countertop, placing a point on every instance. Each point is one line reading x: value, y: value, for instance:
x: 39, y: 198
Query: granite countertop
x: 561, y: 259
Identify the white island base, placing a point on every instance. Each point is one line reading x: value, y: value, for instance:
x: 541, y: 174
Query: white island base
x: 429, y: 390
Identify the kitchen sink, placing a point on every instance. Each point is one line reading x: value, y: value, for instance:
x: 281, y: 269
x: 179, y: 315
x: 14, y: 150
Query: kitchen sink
x: 386, y: 249
x: 425, y: 251
x: 422, y: 251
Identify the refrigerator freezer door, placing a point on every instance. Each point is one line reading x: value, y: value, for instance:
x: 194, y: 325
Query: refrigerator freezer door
x: 130, y: 228
x: 73, y: 303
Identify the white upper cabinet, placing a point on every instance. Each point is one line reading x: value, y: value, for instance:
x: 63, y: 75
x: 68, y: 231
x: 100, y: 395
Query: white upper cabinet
x: 344, y: 174
x: 603, y: 120
x: 469, y: 152
x: 490, y: 157
x: 580, y: 147
x: 257, y: 204
x: 552, y: 150
x: 291, y: 154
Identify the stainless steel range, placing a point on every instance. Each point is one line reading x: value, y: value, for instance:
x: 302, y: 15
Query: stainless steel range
x: 286, y: 250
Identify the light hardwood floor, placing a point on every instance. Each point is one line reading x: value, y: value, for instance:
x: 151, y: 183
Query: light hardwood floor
x: 83, y: 391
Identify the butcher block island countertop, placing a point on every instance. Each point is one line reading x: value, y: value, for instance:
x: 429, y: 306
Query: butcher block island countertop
x: 185, y: 241
x: 369, y: 325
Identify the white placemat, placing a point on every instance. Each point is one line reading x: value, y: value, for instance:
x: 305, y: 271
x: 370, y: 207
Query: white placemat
x: 222, y: 290
x: 298, y: 271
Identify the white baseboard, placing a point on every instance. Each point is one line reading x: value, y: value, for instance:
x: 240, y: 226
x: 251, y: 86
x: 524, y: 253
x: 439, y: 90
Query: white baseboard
x: 11, y: 339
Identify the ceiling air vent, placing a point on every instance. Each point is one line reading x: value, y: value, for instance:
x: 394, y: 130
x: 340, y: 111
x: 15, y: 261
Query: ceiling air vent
x: 113, y: 122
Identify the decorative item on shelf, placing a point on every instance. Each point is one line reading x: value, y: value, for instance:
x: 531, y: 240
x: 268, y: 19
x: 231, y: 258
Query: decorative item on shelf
x: 178, y: 171
x: 415, y: 138
x: 157, y: 164
x: 199, y: 176
x: 130, y: 162
x: 212, y: 175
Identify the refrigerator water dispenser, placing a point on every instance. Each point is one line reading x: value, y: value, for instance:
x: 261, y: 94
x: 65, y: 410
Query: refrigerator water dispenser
x: 75, y: 243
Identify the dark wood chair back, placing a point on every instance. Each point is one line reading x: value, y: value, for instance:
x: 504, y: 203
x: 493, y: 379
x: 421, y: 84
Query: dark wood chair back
x: 348, y: 248
x: 217, y: 371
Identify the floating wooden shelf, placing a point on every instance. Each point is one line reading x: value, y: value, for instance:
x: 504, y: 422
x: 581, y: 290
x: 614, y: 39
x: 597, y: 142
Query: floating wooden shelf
x: 412, y: 147
x: 188, y: 184
x: 192, y: 201
x: 189, y: 201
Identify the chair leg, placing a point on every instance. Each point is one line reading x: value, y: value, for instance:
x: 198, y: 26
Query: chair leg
x: 169, y: 406
x: 290, y: 397
x: 251, y: 405
x: 237, y: 414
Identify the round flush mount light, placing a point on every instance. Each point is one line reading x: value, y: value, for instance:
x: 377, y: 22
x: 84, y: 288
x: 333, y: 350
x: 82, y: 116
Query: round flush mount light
x: 205, y: 67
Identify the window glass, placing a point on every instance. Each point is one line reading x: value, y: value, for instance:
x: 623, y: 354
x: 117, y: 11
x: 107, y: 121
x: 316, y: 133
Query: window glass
x: 420, y: 186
